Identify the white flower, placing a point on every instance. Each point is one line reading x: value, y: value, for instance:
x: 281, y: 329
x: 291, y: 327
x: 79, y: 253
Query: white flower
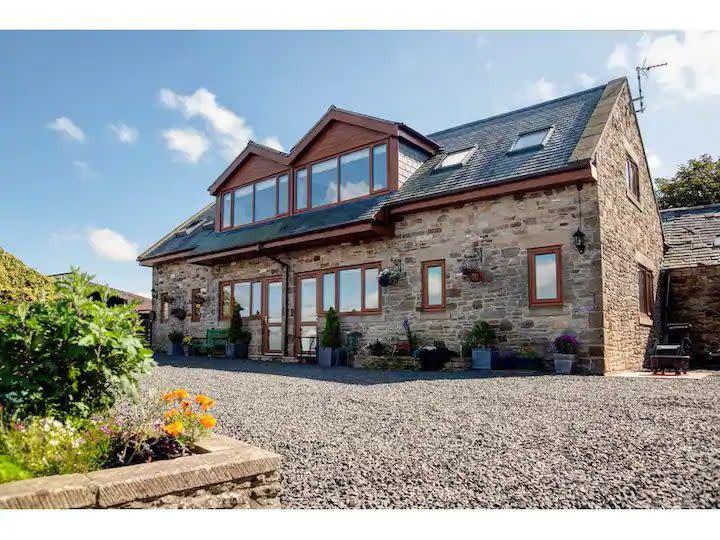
x: 54, y: 442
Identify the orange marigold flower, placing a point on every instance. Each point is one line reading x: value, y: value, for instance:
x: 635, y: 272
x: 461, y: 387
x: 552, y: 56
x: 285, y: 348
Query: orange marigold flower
x: 188, y: 412
x: 181, y: 393
x: 170, y: 413
x: 185, y: 403
x: 207, y: 420
x: 205, y: 402
x: 174, y: 429
x: 168, y: 396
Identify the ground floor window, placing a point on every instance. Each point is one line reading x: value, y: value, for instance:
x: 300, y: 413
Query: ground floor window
x: 645, y: 290
x: 545, y: 276
x: 350, y: 289
x: 164, y: 307
x: 433, y: 285
x: 195, y: 305
x: 247, y: 294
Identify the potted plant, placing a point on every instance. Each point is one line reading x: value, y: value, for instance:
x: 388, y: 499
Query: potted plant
x: 480, y: 340
x: 330, y: 341
x: 176, y: 338
x: 389, y: 276
x: 378, y: 348
x: 566, y: 348
x: 432, y: 357
x: 238, y: 336
x: 187, y: 345
x: 179, y: 313
x: 471, y: 271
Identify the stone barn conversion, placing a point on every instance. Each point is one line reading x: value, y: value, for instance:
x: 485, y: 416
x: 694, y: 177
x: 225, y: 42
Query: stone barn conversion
x: 692, y: 274
x: 541, y: 221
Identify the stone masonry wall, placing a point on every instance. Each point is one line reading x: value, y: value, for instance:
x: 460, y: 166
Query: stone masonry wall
x: 695, y: 298
x: 630, y: 234
x: 499, y: 230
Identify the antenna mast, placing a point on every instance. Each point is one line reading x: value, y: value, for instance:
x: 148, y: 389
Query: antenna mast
x: 644, y: 71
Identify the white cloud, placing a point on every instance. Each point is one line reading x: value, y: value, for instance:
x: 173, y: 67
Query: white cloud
x: 67, y: 128
x: 585, y: 80
x: 229, y: 131
x: 540, y: 90
x: 693, y: 58
x: 124, y: 133
x: 112, y: 245
x: 618, y: 57
x: 83, y: 169
x: 272, y: 142
x: 189, y: 142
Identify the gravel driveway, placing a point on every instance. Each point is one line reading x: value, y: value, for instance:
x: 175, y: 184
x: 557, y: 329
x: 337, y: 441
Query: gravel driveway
x: 370, y: 439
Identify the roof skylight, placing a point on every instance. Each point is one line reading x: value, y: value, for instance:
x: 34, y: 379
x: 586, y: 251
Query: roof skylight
x: 532, y: 140
x: 455, y: 159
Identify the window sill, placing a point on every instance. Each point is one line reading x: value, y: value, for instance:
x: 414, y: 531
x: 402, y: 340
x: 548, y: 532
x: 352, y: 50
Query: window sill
x: 633, y: 199
x: 644, y: 320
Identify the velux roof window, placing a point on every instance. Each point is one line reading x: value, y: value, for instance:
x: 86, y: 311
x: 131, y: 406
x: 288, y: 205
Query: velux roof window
x: 532, y: 140
x: 455, y: 159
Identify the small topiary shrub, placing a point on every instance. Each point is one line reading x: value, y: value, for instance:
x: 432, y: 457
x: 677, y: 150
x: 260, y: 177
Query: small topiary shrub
x: 69, y: 355
x: 331, y: 333
x: 481, y: 335
x: 237, y: 333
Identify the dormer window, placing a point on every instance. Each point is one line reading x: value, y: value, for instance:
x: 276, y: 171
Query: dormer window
x: 532, y: 140
x: 455, y: 159
x: 255, y: 202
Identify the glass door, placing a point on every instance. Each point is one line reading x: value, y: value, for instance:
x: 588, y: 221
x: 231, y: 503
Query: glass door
x: 307, y: 321
x: 273, y: 317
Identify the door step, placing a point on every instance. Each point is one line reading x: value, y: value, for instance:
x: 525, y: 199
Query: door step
x: 276, y: 359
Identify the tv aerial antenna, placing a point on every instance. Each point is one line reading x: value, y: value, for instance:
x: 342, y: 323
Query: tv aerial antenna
x: 643, y: 70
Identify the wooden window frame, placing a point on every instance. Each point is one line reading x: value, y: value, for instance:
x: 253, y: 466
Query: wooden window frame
x: 163, y: 302
x: 232, y: 284
x: 232, y: 191
x: 559, y: 299
x: 194, y: 306
x: 648, y: 291
x: 426, y: 306
x: 320, y: 303
x: 632, y: 167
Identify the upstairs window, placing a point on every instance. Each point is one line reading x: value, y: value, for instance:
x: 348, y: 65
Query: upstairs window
x: 545, y: 276
x: 645, y: 290
x: 255, y: 202
x: 455, y: 159
x: 532, y: 140
x: 632, y: 179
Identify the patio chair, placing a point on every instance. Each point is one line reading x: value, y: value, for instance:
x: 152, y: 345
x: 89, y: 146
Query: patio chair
x: 213, y: 344
x: 307, y: 355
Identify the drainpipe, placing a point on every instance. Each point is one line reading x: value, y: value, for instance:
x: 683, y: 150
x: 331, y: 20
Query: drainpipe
x: 286, y: 294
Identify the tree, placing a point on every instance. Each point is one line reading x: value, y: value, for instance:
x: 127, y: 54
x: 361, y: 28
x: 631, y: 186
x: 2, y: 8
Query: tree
x: 694, y: 184
x: 19, y: 282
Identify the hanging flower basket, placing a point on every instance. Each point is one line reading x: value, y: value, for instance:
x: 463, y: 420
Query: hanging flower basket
x: 178, y: 313
x: 471, y: 272
x: 389, y: 276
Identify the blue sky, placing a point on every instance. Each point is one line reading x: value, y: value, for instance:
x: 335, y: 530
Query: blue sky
x: 110, y: 139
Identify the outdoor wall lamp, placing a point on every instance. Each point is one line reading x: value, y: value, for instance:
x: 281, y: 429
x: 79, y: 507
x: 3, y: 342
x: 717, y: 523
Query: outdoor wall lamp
x: 579, y: 238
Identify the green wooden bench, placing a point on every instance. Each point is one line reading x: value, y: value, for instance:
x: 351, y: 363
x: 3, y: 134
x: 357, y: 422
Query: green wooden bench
x: 213, y: 344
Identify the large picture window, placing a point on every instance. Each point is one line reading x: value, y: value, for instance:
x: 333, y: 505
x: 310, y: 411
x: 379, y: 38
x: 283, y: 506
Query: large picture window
x: 352, y: 289
x: 433, y: 285
x: 545, y: 276
x: 255, y: 202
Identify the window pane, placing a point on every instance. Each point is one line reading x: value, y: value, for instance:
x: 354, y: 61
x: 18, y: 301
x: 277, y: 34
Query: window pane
x: 350, y: 289
x: 256, y: 298
x: 372, y: 300
x: 226, y: 222
x: 354, y: 174
x: 274, y: 305
x: 307, y: 333
x: 380, y: 167
x: 301, y: 189
x: 456, y: 158
x: 324, y: 183
x: 265, y: 199
x: 642, y: 291
x: 241, y: 292
x: 226, y: 299
x: 546, y: 276
x: 243, y: 206
x: 434, y: 285
x: 283, y: 194
x: 274, y: 338
x: 528, y: 140
x: 328, y: 291
x: 308, y: 299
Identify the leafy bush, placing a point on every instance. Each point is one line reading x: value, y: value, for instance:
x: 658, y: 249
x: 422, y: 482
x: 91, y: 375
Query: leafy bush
x: 331, y: 333
x: 19, y: 282
x: 378, y: 348
x: 481, y: 335
x: 175, y: 336
x: 237, y: 333
x: 69, y: 355
x: 11, y: 471
x: 566, y: 344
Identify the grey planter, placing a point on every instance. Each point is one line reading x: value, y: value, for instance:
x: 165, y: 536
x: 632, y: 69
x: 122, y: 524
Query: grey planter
x: 176, y: 349
x: 564, y: 363
x: 482, y: 358
x: 325, y: 356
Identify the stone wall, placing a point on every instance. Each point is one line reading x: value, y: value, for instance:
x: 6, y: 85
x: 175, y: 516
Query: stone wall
x: 226, y: 474
x: 695, y: 298
x: 500, y: 231
x: 630, y: 234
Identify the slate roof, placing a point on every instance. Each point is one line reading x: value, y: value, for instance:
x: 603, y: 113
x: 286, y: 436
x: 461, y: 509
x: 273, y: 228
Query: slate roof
x: 690, y: 234
x: 490, y: 164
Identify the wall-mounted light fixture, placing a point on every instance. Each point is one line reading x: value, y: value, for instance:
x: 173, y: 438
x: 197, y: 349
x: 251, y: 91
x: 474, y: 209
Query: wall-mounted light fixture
x: 579, y: 239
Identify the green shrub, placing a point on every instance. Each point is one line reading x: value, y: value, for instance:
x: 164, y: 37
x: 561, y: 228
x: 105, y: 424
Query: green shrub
x: 20, y: 283
x: 11, y: 471
x: 481, y: 335
x: 237, y: 333
x: 69, y: 355
x: 331, y: 333
x: 175, y: 336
